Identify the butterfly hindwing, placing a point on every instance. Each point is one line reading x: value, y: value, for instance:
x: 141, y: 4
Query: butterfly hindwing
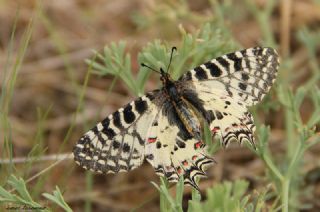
x: 117, y: 143
x: 174, y: 154
x: 227, y: 117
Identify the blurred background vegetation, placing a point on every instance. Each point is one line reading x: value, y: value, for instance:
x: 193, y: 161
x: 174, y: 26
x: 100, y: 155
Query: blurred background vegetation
x: 65, y: 65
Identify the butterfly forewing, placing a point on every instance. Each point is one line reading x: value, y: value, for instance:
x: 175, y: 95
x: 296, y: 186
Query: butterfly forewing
x: 117, y: 143
x: 246, y: 74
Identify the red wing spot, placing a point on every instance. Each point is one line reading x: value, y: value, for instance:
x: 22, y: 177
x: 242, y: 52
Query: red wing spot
x: 152, y: 140
x: 194, y: 157
x: 185, y: 163
x: 215, y: 129
x: 179, y: 170
x: 198, y: 145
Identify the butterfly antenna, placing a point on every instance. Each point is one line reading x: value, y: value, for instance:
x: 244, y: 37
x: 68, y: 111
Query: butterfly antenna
x: 152, y: 69
x: 172, y: 50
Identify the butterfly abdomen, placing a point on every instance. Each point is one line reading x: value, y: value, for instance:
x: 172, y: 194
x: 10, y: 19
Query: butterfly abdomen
x: 189, y: 119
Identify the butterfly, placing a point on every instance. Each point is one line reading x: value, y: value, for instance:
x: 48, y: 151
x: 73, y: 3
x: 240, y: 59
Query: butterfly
x: 165, y: 125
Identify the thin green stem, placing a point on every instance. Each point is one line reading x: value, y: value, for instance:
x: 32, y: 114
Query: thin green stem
x: 285, y: 194
x: 79, y: 107
x: 296, y: 157
x: 89, y: 185
x: 272, y: 167
x: 289, y: 121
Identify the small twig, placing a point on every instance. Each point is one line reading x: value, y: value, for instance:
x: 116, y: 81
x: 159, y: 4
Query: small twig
x: 55, y: 62
x: 58, y: 157
x: 47, y: 169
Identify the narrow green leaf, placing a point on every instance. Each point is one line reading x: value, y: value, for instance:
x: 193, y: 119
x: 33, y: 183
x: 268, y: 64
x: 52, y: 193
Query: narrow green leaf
x: 58, y: 199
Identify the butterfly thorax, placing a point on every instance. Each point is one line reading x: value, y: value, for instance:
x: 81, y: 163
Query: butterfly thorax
x: 185, y: 113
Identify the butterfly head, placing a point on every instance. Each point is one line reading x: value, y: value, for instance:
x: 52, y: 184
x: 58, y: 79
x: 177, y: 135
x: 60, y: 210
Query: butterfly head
x: 165, y: 76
